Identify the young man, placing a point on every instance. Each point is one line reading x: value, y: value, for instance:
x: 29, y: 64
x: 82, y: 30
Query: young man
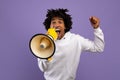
x: 69, y: 46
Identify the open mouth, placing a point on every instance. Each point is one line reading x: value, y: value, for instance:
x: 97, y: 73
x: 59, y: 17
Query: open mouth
x: 58, y: 31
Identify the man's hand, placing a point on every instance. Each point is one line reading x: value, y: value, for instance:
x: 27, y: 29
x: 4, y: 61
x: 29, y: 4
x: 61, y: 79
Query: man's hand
x: 95, y: 22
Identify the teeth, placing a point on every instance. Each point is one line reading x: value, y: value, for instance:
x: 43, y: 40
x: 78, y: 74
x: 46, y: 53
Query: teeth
x: 57, y: 30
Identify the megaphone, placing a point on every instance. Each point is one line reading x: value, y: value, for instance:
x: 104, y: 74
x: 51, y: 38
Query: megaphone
x: 42, y: 45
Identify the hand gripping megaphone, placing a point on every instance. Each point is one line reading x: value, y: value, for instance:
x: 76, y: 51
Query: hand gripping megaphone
x: 42, y: 45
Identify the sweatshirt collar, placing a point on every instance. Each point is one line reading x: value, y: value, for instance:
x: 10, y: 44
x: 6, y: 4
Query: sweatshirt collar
x: 66, y: 35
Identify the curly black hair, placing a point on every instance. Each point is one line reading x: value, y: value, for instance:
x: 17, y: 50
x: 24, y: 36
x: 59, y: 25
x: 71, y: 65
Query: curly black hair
x: 51, y: 13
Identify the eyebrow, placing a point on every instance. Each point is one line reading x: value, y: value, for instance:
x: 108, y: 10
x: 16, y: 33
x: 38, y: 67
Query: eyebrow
x: 58, y: 18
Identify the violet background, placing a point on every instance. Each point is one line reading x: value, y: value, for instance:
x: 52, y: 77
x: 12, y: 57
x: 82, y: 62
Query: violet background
x: 21, y: 19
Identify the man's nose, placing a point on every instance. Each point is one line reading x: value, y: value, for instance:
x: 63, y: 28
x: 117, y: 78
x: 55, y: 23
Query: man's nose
x: 55, y: 26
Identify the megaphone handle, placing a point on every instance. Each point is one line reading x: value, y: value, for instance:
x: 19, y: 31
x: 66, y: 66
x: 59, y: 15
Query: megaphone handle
x: 49, y: 59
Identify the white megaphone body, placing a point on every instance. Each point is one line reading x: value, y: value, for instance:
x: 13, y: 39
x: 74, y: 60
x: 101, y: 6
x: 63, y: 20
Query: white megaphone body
x: 42, y: 45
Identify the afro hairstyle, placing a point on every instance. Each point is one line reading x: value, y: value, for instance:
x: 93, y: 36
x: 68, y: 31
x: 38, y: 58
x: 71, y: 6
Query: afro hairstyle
x: 51, y: 13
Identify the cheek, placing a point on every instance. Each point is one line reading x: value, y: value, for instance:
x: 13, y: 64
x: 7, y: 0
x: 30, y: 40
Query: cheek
x: 63, y: 26
x: 51, y: 25
x: 63, y: 30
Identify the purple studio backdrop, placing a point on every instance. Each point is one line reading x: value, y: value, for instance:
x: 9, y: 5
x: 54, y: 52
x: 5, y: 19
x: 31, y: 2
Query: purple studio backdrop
x: 21, y: 19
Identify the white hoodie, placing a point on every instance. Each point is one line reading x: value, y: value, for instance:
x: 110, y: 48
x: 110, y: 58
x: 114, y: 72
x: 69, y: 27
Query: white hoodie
x: 64, y: 63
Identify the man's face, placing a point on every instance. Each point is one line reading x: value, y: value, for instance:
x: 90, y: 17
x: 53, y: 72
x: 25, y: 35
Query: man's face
x: 59, y: 26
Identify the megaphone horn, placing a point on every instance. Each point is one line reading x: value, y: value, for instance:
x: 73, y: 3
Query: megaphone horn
x: 42, y: 45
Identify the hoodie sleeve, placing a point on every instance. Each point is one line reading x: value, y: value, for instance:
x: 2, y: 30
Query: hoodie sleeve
x: 42, y: 64
x: 97, y: 45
